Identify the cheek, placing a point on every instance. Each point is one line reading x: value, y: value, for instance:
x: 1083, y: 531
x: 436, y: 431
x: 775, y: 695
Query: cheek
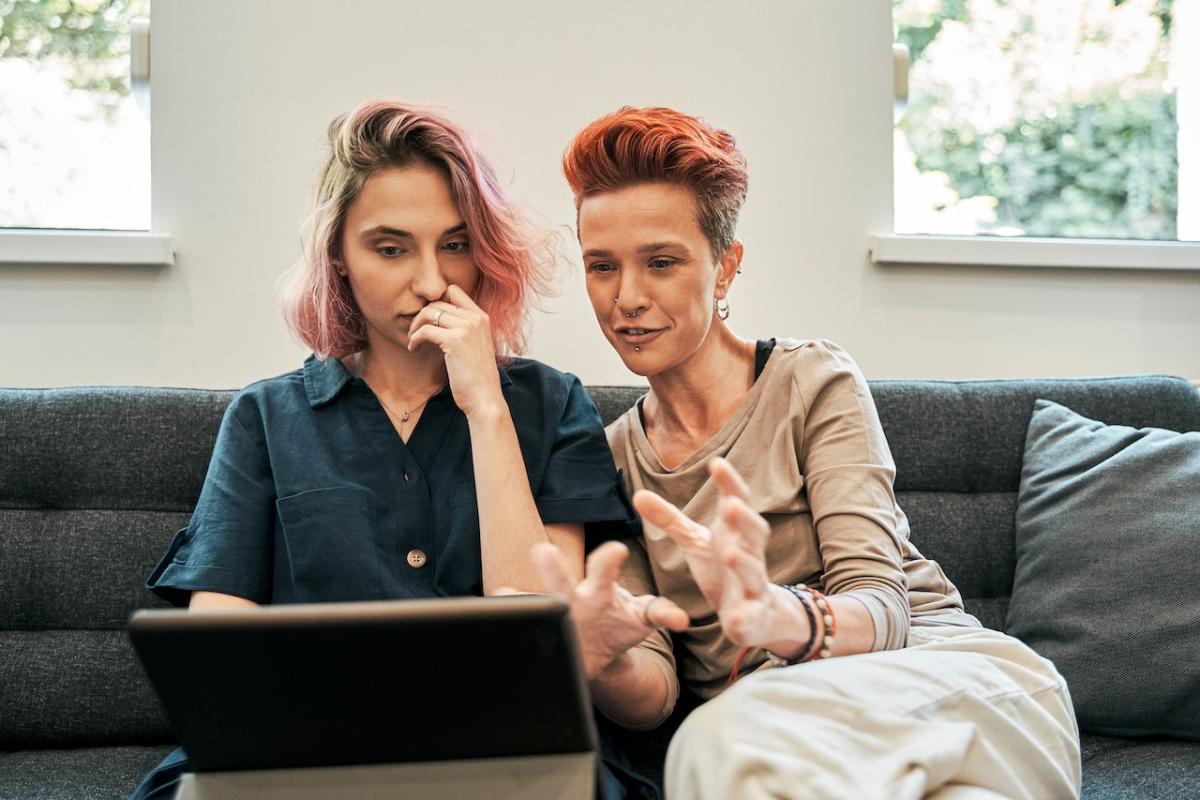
x: 599, y: 297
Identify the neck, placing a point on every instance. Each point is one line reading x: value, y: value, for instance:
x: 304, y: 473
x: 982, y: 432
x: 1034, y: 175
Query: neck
x: 699, y: 393
x: 401, y: 378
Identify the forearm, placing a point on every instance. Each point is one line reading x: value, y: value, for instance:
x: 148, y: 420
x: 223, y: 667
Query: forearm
x: 635, y: 691
x: 855, y: 627
x: 509, y: 523
x: 216, y: 601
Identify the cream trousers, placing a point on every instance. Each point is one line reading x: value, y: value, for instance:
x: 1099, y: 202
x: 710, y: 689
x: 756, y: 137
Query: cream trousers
x: 961, y: 713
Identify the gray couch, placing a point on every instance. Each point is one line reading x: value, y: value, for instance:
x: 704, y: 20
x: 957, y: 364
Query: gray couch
x: 93, y: 482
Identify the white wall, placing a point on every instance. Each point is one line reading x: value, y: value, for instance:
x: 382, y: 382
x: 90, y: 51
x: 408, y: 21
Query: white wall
x: 243, y: 91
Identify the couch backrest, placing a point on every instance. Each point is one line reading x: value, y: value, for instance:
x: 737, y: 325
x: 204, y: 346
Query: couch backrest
x: 94, y: 481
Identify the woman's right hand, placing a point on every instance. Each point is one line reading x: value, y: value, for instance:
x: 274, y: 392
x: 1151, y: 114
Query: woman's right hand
x: 609, y: 619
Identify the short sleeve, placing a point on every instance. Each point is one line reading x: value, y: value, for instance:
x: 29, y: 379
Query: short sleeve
x: 228, y: 545
x: 580, y: 483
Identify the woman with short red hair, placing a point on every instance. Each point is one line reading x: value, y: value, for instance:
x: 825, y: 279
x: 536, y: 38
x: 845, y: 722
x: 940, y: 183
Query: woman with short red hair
x: 835, y: 661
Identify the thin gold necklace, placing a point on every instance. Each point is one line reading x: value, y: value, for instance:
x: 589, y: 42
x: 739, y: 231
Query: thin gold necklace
x: 404, y: 415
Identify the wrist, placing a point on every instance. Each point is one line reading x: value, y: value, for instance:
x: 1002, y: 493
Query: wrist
x: 491, y: 411
x: 604, y: 674
x: 792, y: 630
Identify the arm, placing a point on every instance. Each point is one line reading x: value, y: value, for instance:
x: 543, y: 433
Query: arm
x: 631, y: 679
x: 509, y: 523
x: 215, y: 601
x: 228, y: 546
x: 849, y: 476
x: 729, y: 564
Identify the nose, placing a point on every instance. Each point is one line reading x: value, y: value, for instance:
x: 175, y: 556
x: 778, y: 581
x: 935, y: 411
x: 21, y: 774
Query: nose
x: 428, y: 281
x: 630, y: 299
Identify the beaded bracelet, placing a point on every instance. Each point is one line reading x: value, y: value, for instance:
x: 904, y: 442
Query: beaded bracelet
x: 828, y: 619
x: 800, y: 593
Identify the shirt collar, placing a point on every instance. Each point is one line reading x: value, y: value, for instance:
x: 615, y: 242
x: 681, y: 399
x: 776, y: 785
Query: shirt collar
x: 324, y: 379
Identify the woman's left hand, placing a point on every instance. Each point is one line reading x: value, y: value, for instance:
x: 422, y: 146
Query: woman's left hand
x: 460, y: 329
x: 753, y: 611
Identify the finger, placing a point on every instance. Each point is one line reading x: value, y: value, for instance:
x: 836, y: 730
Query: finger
x: 728, y: 480
x: 428, y: 334
x: 751, y: 572
x: 459, y: 297
x: 551, y: 565
x: 507, y: 591
x: 603, y: 568
x: 745, y: 524
x: 663, y: 612
x: 438, y: 314
x: 661, y: 514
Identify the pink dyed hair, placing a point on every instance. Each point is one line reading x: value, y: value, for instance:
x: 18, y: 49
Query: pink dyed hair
x: 514, y: 257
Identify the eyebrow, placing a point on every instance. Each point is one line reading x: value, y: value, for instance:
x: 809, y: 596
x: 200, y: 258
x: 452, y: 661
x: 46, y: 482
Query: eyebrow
x: 642, y: 250
x: 399, y: 233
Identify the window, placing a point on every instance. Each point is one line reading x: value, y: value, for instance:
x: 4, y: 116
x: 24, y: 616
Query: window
x: 75, y: 142
x: 1050, y: 118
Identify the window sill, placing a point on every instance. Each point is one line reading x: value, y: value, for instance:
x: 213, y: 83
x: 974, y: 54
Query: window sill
x: 126, y: 248
x: 1033, y: 252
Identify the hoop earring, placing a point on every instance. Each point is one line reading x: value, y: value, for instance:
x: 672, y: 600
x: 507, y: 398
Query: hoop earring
x: 722, y: 309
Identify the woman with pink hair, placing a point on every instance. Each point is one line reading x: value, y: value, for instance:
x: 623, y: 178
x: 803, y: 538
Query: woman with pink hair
x: 383, y: 468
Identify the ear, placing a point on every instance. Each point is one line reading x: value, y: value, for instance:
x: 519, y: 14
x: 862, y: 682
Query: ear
x: 339, y: 266
x: 728, y: 267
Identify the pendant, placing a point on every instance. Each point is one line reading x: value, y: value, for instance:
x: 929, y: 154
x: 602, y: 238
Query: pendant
x: 404, y: 416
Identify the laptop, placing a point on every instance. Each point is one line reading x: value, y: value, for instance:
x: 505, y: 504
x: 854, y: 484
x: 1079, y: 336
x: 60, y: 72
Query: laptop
x: 440, y: 697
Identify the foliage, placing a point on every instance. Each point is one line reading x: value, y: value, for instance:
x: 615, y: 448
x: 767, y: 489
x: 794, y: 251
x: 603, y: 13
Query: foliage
x: 1094, y: 156
x: 91, y: 36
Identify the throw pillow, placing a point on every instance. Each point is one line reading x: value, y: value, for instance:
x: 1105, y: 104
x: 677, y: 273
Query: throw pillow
x: 1108, y: 569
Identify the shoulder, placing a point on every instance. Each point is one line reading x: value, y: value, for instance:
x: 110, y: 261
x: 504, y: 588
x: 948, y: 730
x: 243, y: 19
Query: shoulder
x: 529, y: 371
x: 816, y: 361
x: 281, y: 393
x: 541, y: 391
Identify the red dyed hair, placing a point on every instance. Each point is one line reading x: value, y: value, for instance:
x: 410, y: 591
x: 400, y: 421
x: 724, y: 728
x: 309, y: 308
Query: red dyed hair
x: 514, y: 257
x: 649, y: 145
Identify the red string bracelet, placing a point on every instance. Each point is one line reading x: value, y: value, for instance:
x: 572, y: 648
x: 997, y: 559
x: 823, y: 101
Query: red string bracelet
x: 737, y: 664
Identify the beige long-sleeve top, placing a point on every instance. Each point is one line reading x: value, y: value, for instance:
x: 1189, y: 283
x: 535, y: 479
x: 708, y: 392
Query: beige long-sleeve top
x: 808, y: 441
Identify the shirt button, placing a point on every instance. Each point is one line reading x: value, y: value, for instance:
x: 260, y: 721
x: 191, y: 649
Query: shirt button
x: 407, y: 477
x: 417, y: 558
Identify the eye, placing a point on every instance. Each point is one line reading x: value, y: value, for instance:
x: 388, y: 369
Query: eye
x: 601, y: 266
x: 457, y: 246
x: 389, y: 250
x: 661, y: 263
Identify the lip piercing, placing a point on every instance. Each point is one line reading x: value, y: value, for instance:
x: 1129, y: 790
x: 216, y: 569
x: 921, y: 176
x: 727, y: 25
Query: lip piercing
x: 637, y: 349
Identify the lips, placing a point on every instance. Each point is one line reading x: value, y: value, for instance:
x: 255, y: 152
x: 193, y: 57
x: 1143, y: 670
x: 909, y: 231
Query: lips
x: 638, y: 336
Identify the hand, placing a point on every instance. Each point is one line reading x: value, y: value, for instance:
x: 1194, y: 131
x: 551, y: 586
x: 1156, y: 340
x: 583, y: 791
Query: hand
x: 464, y: 335
x: 608, y: 618
x: 729, y: 563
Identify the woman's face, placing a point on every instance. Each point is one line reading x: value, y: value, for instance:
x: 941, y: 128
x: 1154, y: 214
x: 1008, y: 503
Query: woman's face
x: 651, y: 274
x: 403, y: 243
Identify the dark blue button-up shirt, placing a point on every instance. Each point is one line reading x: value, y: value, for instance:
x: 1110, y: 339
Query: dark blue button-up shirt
x: 311, y: 496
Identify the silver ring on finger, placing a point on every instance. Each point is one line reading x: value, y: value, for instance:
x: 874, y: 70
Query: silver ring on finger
x: 437, y: 319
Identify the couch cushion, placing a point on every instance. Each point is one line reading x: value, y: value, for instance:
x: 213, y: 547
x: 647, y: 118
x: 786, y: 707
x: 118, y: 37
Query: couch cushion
x: 72, y: 688
x: 1107, y: 536
x: 61, y: 569
x: 1139, y: 769
x: 88, y: 773
x: 106, y: 447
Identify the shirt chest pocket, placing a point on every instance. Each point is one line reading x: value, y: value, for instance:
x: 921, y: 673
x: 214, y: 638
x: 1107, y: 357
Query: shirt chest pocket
x: 330, y: 539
